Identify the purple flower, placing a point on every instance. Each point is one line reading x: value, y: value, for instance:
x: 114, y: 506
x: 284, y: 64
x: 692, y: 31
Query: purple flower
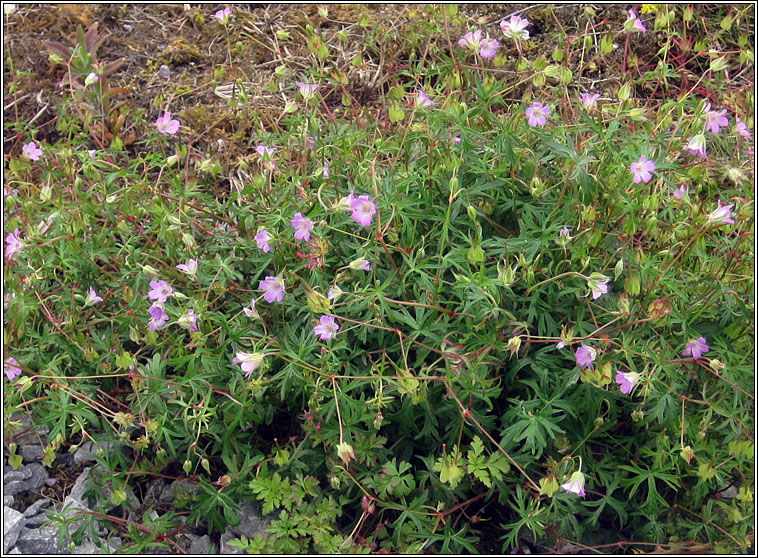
x: 92, y: 298
x: 564, y: 233
x: 190, y: 268
x: 31, y: 151
x: 302, y: 226
x: 627, y: 380
x: 741, y: 128
x: 10, y: 368
x: 585, y: 356
x: 679, y: 192
x: 696, y: 348
x: 158, y: 317
x: 188, y: 320
x: 327, y: 328
x: 537, y: 114
x: 273, y: 289
x: 361, y: 264
x: 166, y: 125
x: 589, y: 100
x: 250, y: 311
x: 598, y: 284
x: 515, y: 28
x: 265, y: 152
x: 423, y: 100
x: 307, y: 90
x: 333, y: 293
x: 13, y: 244
x: 722, y: 215
x: 223, y: 15
x: 633, y: 23
x: 325, y: 172
x: 696, y: 145
x: 471, y: 40
x: 641, y: 170
x: 575, y: 485
x: 714, y: 119
x: 160, y: 291
x: 346, y: 203
x: 91, y: 79
x: 249, y: 361
x: 310, y: 143
x: 262, y: 239
x: 363, y: 208
x: 489, y: 49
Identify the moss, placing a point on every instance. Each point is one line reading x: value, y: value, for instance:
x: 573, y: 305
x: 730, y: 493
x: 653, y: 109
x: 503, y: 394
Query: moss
x: 180, y: 51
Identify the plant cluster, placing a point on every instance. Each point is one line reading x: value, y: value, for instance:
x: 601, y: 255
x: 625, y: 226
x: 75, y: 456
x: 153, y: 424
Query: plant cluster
x: 511, y: 306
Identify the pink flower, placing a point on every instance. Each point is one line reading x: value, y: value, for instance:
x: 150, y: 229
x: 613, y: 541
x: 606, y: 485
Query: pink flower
x: 598, y: 284
x: 471, y: 40
x: 223, y: 15
x: 696, y: 348
x: 166, y: 125
x: 714, y: 119
x: 489, y: 49
x: 249, y: 361
x: 575, y: 485
x: 92, y: 298
x: 696, y: 145
x: 679, y: 192
x: 265, y: 152
x: 160, y: 291
x: 307, y: 90
x: 10, y: 368
x: 158, y: 317
x: 327, y: 328
x: 310, y: 143
x: 13, y: 244
x: 91, y: 79
x: 190, y: 268
x: 325, y: 172
x: 585, y: 356
x: 722, y: 215
x: 641, y: 170
x: 423, y: 100
x: 741, y: 128
x: 633, y: 23
x: 189, y: 321
x: 360, y: 263
x: 537, y: 114
x: 333, y: 293
x: 346, y: 203
x: 262, y: 239
x: 589, y: 100
x: 363, y: 208
x: 515, y: 28
x: 31, y: 151
x: 273, y: 289
x: 302, y: 226
x: 250, y: 311
x: 627, y: 380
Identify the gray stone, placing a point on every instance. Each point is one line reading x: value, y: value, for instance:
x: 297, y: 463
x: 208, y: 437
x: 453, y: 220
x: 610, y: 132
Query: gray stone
x: 39, y: 541
x: 36, y: 507
x: 730, y: 493
x: 177, y: 489
x: 28, y: 477
x: 200, y: 545
x: 80, y: 486
x: 226, y: 548
x: 88, y: 450
x: 164, y: 71
x: 30, y: 453
x: 8, y: 500
x: 13, y: 522
x: 30, y: 435
x: 88, y: 547
x: 250, y: 522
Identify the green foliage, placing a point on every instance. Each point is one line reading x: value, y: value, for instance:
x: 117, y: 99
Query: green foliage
x: 444, y: 407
